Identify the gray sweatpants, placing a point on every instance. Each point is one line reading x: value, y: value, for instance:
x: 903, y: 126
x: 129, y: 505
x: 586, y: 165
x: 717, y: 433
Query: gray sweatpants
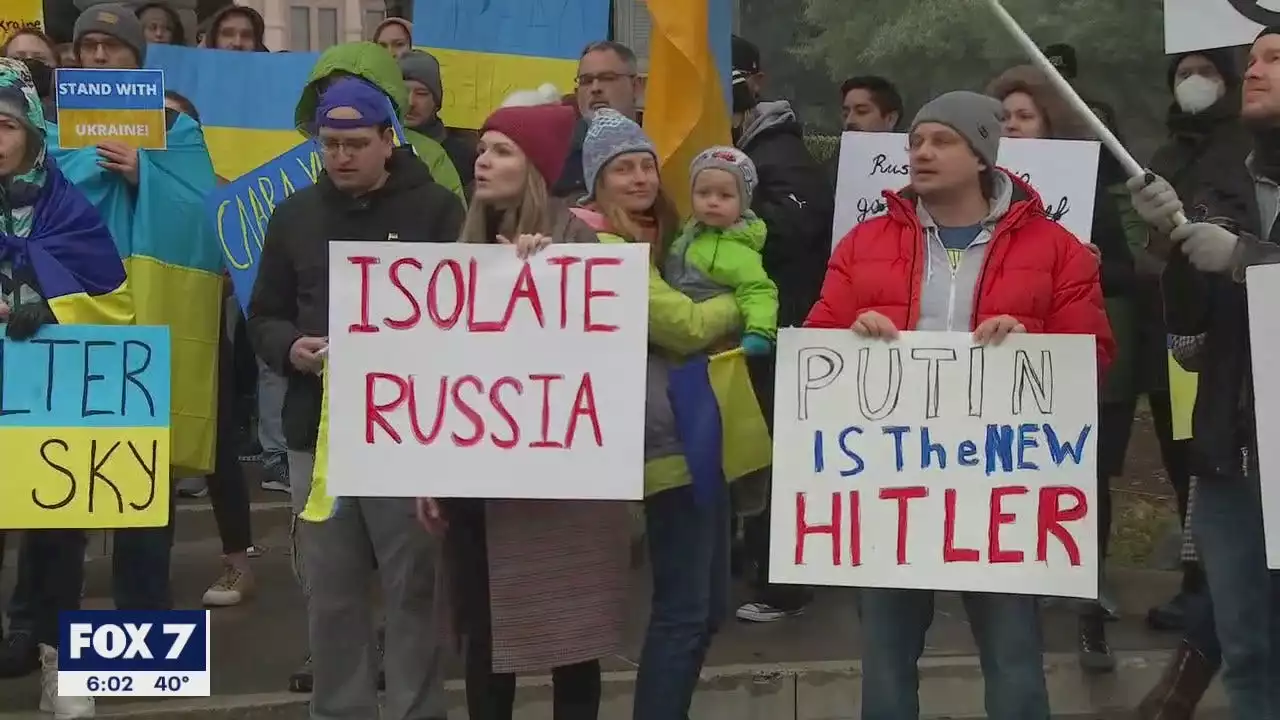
x: 337, y: 564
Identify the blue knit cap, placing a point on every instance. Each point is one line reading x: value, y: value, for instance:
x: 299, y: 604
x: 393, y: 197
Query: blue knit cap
x: 349, y: 103
x: 610, y: 134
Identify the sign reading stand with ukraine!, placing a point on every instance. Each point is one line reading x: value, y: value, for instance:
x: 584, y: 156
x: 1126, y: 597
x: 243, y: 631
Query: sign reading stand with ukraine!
x: 124, y: 106
x: 84, y: 428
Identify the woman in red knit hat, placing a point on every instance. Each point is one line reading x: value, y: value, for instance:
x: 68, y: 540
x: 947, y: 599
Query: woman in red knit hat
x: 536, y: 585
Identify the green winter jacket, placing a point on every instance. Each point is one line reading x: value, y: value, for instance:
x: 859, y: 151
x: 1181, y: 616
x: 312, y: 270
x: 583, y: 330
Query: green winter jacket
x: 374, y: 64
x: 706, y: 261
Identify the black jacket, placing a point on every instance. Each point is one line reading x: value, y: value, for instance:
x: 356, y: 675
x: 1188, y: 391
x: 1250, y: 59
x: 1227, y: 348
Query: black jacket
x: 1108, y: 234
x: 796, y: 200
x: 460, y: 146
x: 572, y: 185
x: 291, y: 294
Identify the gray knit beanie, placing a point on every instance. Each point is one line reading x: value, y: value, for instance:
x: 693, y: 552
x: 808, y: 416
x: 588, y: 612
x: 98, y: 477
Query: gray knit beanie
x: 423, y: 67
x: 975, y: 116
x: 609, y: 135
x: 731, y: 160
x: 117, y: 21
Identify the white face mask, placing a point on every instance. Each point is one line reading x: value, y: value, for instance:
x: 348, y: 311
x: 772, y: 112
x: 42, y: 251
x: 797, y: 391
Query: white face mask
x: 1198, y: 93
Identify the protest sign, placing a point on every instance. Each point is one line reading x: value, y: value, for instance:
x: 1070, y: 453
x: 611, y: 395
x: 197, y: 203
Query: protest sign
x: 931, y: 463
x: 1063, y: 172
x: 1200, y: 24
x: 459, y: 370
x: 84, y: 428
x: 124, y: 106
x: 16, y: 15
x: 1263, y: 287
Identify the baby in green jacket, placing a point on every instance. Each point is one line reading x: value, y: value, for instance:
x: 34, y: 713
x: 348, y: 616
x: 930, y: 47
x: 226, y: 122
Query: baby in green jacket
x: 718, y: 250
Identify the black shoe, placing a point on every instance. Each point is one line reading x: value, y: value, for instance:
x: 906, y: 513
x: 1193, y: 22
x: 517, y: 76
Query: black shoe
x: 1095, y: 653
x: 19, y: 656
x: 301, y: 681
x: 1169, y: 617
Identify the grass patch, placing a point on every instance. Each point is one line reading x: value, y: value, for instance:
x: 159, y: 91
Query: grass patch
x: 1138, y: 524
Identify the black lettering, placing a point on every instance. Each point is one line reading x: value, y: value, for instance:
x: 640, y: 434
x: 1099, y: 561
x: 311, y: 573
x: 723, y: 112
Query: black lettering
x: 870, y: 207
x: 150, y: 470
x: 62, y: 470
x: 95, y: 474
x: 49, y: 385
x: 1059, y: 211
x: 880, y: 165
x: 131, y: 377
x: 90, y: 378
x: 4, y: 376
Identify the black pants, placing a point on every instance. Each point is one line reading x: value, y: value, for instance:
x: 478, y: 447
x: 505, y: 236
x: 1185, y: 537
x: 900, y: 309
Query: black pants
x: 228, y: 488
x: 50, y: 579
x: 490, y: 695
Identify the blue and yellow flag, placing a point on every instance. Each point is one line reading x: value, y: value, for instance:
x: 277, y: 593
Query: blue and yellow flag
x: 688, y: 98
x: 174, y: 266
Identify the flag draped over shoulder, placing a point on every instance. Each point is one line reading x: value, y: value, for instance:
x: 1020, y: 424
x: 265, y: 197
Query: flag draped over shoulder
x: 73, y: 257
x: 174, y: 266
x: 718, y: 419
x: 688, y: 96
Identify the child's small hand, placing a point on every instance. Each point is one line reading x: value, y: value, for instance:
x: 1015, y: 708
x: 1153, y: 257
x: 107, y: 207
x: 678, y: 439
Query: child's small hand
x: 756, y: 345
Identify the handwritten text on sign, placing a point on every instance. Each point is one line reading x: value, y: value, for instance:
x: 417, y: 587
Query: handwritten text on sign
x: 84, y: 428
x: 460, y: 371
x: 931, y: 463
x: 1063, y: 172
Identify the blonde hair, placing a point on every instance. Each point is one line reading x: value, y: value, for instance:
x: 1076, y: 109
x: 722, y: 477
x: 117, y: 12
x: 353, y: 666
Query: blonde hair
x: 532, y: 214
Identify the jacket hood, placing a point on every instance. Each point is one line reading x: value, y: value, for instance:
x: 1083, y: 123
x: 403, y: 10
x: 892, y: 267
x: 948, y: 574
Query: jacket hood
x: 406, y: 173
x: 255, y: 19
x: 365, y: 60
x: 766, y: 116
x: 19, y: 100
x: 179, y: 30
x: 1064, y: 123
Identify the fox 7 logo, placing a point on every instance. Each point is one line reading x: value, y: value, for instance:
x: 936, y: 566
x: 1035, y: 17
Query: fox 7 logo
x: 128, y: 641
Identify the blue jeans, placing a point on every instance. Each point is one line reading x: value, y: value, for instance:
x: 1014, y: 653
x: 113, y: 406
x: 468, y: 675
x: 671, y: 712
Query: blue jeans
x: 1227, y: 524
x: 271, y: 390
x: 689, y: 552
x: 50, y: 578
x: 1005, y: 627
x: 140, y: 567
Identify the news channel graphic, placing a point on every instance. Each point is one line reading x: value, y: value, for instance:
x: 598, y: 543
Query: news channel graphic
x: 113, y: 653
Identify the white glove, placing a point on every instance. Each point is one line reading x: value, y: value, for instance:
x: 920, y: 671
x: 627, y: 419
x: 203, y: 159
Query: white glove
x: 1210, y: 248
x: 1156, y: 201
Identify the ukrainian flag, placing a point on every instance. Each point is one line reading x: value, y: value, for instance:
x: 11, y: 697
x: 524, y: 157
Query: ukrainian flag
x: 688, y: 98
x: 174, y: 267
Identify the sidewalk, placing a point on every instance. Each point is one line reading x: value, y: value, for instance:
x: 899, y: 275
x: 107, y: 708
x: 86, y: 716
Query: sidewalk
x: 803, y: 669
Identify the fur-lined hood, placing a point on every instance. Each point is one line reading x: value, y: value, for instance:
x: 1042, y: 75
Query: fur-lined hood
x: 1064, y: 123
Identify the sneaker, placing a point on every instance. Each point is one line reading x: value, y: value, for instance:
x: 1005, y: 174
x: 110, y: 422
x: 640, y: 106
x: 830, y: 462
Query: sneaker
x: 251, y: 452
x: 193, y: 487
x: 233, y: 587
x: 277, y: 476
x: 1095, y: 653
x: 255, y: 551
x: 63, y: 708
x: 301, y: 681
x: 764, y: 613
x: 19, y: 656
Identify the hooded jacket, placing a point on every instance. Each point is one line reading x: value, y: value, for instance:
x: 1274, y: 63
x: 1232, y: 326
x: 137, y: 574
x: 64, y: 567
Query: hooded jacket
x: 705, y: 262
x: 291, y: 293
x: 796, y: 202
x: 179, y: 30
x: 255, y: 19
x: 375, y: 65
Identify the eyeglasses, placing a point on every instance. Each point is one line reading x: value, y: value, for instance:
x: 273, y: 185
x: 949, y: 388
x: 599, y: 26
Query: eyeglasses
x: 604, y: 78
x: 333, y: 146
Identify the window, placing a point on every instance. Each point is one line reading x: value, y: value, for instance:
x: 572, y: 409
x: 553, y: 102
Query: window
x: 327, y: 22
x: 375, y: 11
x: 315, y: 25
x: 300, y: 29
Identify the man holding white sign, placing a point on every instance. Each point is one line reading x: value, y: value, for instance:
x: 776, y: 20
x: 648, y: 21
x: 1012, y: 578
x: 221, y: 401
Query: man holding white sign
x: 965, y: 248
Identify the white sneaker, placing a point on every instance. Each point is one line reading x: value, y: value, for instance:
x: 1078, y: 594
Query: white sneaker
x: 231, y: 588
x: 63, y: 708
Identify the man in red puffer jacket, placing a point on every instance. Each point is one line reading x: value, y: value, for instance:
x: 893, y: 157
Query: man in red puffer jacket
x: 966, y: 247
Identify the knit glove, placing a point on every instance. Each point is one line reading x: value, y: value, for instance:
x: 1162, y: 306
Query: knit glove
x: 26, y: 320
x: 1210, y: 248
x: 756, y: 345
x: 1155, y: 201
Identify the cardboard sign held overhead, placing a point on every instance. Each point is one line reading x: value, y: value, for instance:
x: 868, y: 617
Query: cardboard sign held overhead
x: 1201, y: 24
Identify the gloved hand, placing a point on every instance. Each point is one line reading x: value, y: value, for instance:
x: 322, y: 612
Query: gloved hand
x: 1156, y: 201
x: 26, y: 320
x: 1209, y: 247
x: 756, y: 345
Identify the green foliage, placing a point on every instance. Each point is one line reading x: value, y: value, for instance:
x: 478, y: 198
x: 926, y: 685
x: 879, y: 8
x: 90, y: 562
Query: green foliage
x: 822, y: 147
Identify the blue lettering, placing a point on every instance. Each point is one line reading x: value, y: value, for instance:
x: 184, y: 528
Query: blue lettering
x: 927, y: 450
x: 999, y: 447
x: 1027, y: 441
x: 1060, y: 451
x: 858, y: 465
x: 968, y: 454
x: 898, y: 432
x: 819, y: 462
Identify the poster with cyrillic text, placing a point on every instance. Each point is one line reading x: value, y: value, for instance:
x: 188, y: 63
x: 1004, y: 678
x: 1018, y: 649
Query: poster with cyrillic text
x: 460, y: 370
x: 933, y: 463
x: 1063, y: 172
x: 1263, y: 287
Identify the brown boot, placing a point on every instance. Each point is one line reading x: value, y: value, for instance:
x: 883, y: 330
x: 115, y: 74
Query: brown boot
x: 1180, y: 688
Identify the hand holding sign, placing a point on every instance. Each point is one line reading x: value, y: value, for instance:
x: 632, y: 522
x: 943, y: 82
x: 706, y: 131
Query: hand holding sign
x: 872, y: 324
x: 993, y: 331
x: 307, y: 353
x: 120, y: 158
x: 526, y: 244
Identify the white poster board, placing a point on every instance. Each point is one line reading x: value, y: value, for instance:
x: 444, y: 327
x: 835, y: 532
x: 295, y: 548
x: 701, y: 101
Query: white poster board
x: 1201, y: 24
x: 1064, y: 172
x: 931, y: 463
x: 1263, y: 286
x: 458, y: 370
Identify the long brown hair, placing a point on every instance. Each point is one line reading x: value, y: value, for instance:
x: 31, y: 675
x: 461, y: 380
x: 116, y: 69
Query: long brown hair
x: 1061, y: 122
x: 531, y: 215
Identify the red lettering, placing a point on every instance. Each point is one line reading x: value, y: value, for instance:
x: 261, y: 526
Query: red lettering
x: 1051, y: 515
x: 903, y: 495
x: 374, y: 412
x: 546, y: 441
x: 438, y: 423
x: 855, y: 528
x: 591, y: 293
x: 564, y: 261
x: 496, y: 401
x: 804, y: 529
x: 525, y: 289
x: 467, y: 411
x: 998, y: 518
x: 477, y: 326
x: 584, y: 404
x: 445, y: 322
x: 365, y: 262
x: 416, y: 315
x: 950, y: 553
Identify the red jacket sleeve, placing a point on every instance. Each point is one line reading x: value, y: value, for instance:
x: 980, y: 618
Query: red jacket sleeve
x: 837, y: 305
x: 1077, y: 298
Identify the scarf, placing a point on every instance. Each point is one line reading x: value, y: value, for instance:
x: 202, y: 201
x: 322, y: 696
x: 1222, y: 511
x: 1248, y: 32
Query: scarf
x: 1196, y: 127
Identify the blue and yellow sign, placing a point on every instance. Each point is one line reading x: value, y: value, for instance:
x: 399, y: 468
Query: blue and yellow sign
x: 124, y: 106
x: 84, y: 428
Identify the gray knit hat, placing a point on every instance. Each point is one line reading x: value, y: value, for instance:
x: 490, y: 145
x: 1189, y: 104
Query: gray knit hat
x: 117, y: 21
x: 610, y: 134
x: 976, y: 117
x: 731, y: 160
x: 423, y: 67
